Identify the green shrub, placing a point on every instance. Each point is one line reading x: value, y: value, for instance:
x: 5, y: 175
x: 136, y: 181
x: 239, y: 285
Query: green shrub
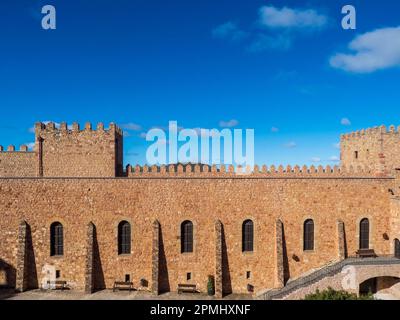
x: 331, y: 294
x: 210, y: 286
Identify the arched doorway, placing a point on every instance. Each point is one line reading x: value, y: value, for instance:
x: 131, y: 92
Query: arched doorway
x: 379, y: 285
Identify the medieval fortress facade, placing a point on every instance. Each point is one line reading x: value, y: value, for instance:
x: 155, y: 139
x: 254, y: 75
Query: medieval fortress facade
x: 69, y: 210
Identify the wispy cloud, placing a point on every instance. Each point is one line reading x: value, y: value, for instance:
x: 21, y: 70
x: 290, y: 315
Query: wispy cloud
x: 131, y: 126
x: 277, y: 28
x: 315, y: 159
x: 30, y: 145
x: 132, y: 153
x: 345, y: 122
x: 334, y: 159
x: 371, y: 51
x: 285, y: 75
x: 274, y: 129
x: 56, y: 124
x: 290, y: 145
x: 263, y: 42
x: 289, y: 18
x: 336, y: 145
x: 230, y: 31
x: 228, y: 124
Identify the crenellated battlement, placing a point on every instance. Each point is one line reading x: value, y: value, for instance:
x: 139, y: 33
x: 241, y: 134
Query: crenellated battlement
x: 377, y: 147
x: 371, y: 132
x: 11, y: 148
x: 72, y: 150
x: 75, y: 128
x: 193, y: 170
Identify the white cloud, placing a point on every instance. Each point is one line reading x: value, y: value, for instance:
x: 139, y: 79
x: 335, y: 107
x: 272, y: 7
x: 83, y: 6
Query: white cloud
x: 30, y: 145
x: 372, y: 51
x: 336, y: 145
x: 266, y: 42
x: 345, y: 122
x: 285, y: 17
x: 205, y: 134
x: 131, y: 126
x: 56, y: 124
x: 334, y: 158
x: 291, y: 145
x: 132, y: 153
x: 228, y: 124
x: 274, y: 129
x: 229, y: 30
x: 315, y: 159
x: 143, y: 135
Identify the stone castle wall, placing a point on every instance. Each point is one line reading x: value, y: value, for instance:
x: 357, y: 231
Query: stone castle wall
x: 17, y: 163
x: 75, y: 177
x: 171, y: 200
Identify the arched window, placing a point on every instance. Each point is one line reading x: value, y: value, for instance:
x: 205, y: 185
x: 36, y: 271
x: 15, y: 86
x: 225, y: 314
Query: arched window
x: 56, y: 239
x: 308, y: 236
x: 397, y: 248
x: 124, y: 237
x: 187, y: 236
x: 364, y: 234
x: 247, y: 236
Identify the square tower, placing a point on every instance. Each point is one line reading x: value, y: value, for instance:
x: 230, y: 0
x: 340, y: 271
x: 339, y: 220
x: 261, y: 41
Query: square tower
x: 376, y: 148
x: 71, y: 152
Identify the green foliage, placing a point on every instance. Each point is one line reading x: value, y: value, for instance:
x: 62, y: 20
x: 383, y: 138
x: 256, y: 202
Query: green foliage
x: 210, y: 286
x: 331, y: 294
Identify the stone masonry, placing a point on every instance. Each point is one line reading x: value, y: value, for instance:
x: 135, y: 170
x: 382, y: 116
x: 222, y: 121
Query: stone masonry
x: 75, y: 178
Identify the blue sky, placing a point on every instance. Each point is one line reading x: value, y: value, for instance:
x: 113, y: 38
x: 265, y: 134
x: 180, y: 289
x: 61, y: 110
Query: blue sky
x: 285, y: 68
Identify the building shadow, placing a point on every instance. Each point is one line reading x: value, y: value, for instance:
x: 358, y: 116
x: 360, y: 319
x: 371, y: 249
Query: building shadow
x: 98, y: 273
x: 226, y: 274
x: 286, y: 271
x: 30, y: 270
x: 345, y: 242
x: 163, y: 277
x: 8, y: 275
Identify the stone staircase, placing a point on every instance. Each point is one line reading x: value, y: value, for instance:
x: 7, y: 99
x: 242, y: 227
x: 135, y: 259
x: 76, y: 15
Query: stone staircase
x: 324, y: 272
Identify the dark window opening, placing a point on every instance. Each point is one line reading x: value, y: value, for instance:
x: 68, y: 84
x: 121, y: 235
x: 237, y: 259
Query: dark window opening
x: 124, y: 238
x: 364, y: 234
x: 127, y: 278
x: 397, y: 248
x: 308, y: 239
x: 186, y: 236
x: 248, y: 275
x: 248, y: 236
x: 356, y: 154
x: 188, y: 276
x: 58, y: 274
x: 56, y: 239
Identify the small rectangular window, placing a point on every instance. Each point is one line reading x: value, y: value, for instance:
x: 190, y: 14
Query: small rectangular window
x: 356, y: 154
x: 127, y: 278
x: 248, y: 275
x: 58, y: 274
x: 188, y: 276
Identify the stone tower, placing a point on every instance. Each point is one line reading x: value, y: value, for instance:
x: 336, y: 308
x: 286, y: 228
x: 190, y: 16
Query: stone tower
x: 376, y: 148
x: 71, y: 152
